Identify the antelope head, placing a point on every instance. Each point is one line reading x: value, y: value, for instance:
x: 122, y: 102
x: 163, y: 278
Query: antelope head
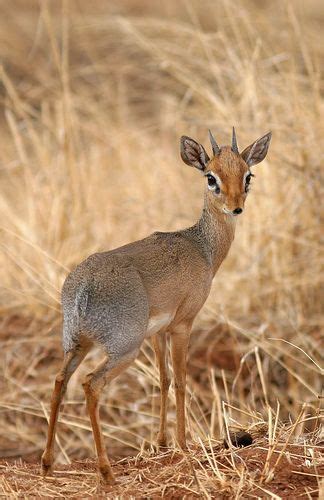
x: 228, y: 172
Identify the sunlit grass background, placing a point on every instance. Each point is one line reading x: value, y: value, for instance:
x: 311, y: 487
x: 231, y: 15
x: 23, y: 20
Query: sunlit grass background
x: 95, y: 96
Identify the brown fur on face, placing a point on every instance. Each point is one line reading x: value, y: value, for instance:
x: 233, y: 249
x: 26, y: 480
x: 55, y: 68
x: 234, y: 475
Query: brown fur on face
x: 230, y: 169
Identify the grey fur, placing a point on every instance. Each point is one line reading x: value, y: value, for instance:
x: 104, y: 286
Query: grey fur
x: 109, y: 297
x: 115, y: 299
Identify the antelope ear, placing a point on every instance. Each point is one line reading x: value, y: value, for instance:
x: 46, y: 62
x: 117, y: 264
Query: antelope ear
x: 257, y: 151
x: 193, y: 153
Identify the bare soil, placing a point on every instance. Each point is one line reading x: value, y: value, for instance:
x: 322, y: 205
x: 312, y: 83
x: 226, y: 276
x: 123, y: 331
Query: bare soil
x: 219, y: 473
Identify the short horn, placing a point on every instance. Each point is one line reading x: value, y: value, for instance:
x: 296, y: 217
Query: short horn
x: 234, y: 142
x: 215, y: 147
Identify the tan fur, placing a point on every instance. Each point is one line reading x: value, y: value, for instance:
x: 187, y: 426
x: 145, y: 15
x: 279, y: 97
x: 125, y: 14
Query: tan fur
x: 148, y: 288
x: 230, y: 168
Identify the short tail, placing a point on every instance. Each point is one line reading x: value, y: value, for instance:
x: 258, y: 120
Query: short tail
x: 73, y: 313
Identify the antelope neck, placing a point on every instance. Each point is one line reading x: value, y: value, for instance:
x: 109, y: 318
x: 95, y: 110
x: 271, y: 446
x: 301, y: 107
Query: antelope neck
x: 214, y: 233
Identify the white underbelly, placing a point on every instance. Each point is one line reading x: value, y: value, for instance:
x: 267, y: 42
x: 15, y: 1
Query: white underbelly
x: 156, y: 323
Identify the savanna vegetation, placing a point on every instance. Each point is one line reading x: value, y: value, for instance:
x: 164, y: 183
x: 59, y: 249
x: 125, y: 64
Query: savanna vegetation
x: 94, y: 98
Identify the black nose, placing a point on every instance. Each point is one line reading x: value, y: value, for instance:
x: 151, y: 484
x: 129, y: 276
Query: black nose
x: 237, y: 211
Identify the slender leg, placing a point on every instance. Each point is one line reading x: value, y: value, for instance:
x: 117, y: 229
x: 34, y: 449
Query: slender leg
x: 179, y: 348
x: 93, y: 386
x: 70, y: 364
x: 159, y: 345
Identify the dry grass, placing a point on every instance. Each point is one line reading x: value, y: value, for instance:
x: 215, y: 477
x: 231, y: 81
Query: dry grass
x: 95, y: 97
x: 205, y: 470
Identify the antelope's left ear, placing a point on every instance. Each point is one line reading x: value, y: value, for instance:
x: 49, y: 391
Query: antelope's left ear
x: 193, y: 153
x: 257, y: 151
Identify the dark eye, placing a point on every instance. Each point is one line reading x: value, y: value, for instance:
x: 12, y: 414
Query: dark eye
x: 247, y: 181
x: 212, y: 183
x: 211, y: 180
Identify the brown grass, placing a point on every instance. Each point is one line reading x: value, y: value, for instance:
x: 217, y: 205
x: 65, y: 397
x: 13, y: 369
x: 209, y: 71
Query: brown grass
x: 95, y: 97
x: 206, y: 471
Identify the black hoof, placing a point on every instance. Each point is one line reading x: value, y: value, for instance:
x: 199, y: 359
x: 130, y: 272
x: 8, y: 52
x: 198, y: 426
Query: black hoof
x: 46, y: 467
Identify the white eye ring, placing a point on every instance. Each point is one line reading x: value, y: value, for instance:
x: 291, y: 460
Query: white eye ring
x: 247, y: 180
x: 212, y: 183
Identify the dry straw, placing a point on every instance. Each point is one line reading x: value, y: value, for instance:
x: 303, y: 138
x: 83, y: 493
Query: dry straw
x: 95, y: 99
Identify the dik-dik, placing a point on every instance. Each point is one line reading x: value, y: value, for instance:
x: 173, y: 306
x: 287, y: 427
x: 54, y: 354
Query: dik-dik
x: 117, y: 299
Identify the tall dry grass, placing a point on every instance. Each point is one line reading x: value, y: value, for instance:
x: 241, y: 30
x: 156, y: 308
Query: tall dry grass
x: 95, y: 96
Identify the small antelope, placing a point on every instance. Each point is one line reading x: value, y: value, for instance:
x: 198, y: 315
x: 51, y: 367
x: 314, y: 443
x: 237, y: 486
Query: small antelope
x: 117, y: 299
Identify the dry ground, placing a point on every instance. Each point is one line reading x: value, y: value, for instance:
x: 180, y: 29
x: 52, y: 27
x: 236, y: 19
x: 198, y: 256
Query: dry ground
x: 284, y: 461
x: 95, y: 96
x: 206, y: 471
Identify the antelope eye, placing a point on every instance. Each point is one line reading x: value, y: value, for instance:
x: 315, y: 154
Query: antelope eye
x: 212, y: 183
x: 247, y: 181
x: 211, y: 180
